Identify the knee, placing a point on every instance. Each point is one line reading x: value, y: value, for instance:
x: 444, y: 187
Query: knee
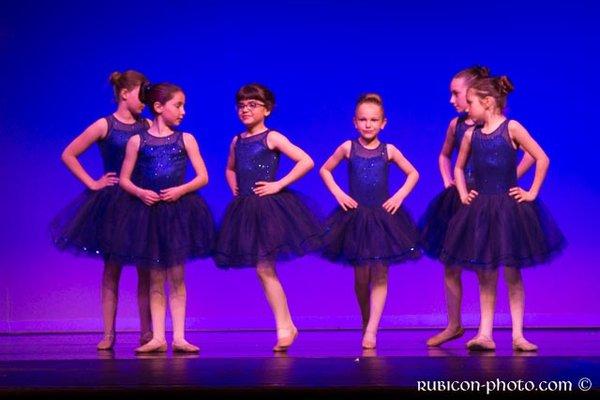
x: 379, y: 276
x: 512, y: 276
x: 453, y: 273
x: 266, y: 273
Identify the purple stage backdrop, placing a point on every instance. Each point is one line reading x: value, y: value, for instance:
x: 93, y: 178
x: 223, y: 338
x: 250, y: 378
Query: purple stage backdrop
x: 317, y: 56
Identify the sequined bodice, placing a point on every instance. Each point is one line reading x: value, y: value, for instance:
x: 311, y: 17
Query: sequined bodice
x: 112, y: 147
x: 368, y: 169
x: 459, y: 134
x: 494, y: 160
x: 161, y: 161
x: 254, y: 162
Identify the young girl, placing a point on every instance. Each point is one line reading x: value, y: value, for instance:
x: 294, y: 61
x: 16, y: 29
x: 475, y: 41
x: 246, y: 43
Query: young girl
x: 371, y: 229
x: 441, y: 209
x: 501, y: 223
x: 163, y: 222
x: 265, y: 222
x: 82, y: 226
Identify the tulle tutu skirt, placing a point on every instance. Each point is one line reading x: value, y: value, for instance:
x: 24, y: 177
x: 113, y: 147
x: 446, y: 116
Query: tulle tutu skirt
x: 269, y: 228
x: 370, y: 235
x: 496, y: 230
x: 162, y: 235
x: 434, y: 223
x: 81, y: 227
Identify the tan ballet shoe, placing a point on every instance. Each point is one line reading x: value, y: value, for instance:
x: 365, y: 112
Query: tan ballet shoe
x: 369, y: 341
x: 285, y: 338
x: 153, y: 346
x: 445, y: 336
x: 107, y: 342
x: 481, y: 343
x: 522, y: 344
x: 185, y: 347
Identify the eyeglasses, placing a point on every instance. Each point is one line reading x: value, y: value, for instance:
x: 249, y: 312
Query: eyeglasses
x: 252, y: 105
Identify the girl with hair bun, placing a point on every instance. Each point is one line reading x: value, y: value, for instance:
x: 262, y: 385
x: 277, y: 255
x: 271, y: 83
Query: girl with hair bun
x: 441, y: 209
x: 370, y: 229
x: 162, y: 221
x: 83, y: 225
x: 499, y: 224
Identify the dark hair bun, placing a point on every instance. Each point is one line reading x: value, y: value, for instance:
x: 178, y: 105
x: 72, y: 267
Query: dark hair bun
x: 114, y: 78
x: 144, y: 90
x: 505, y: 86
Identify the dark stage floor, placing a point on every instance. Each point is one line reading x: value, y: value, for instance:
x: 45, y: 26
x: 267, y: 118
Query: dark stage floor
x: 321, y: 363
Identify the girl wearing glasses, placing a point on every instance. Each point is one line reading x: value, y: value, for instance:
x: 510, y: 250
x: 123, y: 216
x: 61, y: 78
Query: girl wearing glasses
x: 265, y: 221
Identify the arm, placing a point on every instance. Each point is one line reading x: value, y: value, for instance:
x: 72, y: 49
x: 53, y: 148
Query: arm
x: 459, y: 169
x: 412, y: 176
x: 526, y: 162
x: 95, y: 132
x: 147, y: 196
x: 304, y: 163
x: 230, y: 175
x: 201, y: 178
x: 342, y: 198
x: 446, y: 153
x: 520, y: 135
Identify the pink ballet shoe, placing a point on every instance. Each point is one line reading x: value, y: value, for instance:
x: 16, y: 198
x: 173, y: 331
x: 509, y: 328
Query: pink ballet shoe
x: 285, y: 338
x: 107, y: 342
x: 153, y: 346
x: 369, y: 341
x: 185, y: 347
x: 481, y: 343
x: 445, y: 336
x: 522, y: 344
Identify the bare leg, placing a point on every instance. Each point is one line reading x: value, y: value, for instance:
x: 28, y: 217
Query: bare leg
x: 158, y: 309
x: 488, y: 281
x: 362, y: 279
x: 143, y: 296
x: 286, y: 331
x: 110, y: 298
x: 453, y: 292
x: 379, y: 287
x: 177, y: 304
x: 516, y: 295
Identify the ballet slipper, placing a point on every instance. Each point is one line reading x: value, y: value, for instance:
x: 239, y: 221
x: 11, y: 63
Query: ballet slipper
x: 445, y: 336
x: 369, y: 341
x: 107, y: 342
x: 153, y: 346
x: 481, y: 343
x: 184, y: 347
x: 285, y: 338
x: 522, y: 344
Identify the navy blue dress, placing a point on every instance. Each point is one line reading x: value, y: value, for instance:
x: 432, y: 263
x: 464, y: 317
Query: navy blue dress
x: 165, y: 234
x: 268, y: 228
x: 81, y: 226
x: 495, y: 229
x: 434, y: 223
x: 368, y: 234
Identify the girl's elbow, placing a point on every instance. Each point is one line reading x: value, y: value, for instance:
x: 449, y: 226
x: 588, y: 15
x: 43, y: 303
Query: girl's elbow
x: 310, y: 164
x: 416, y: 175
x: 323, y: 172
x: 65, y: 156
